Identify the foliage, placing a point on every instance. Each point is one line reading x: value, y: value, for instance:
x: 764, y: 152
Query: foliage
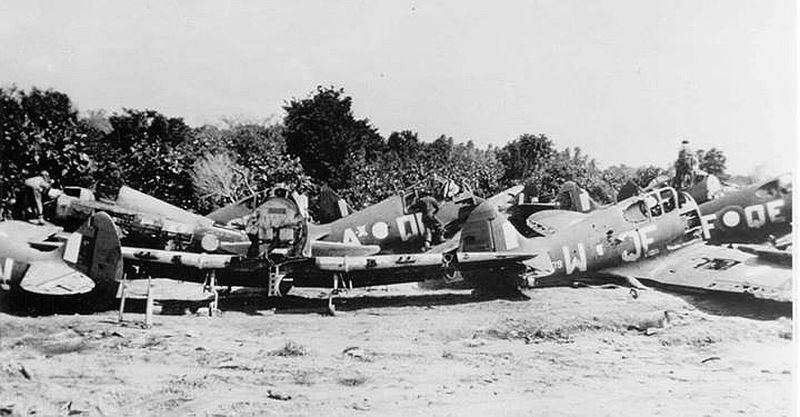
x: 570, y: 165
x: 318, y: 142
x: 646, y: 174
x: 713, y: 162
x: 407, y: 162
x: 40, y: 131
x: 242, y: 159
x: 145, y: 150
x: 331, y: 143
x: 618, y: 175
x: 524, y: 155
x: 219, y: 180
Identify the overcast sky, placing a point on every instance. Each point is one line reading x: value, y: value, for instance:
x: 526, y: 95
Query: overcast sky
x: 625, y: 80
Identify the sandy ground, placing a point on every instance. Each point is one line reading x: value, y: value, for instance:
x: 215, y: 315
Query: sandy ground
x: 407, y: 351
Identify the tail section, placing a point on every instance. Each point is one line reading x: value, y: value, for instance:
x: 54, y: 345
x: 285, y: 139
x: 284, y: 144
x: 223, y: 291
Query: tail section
x: 574, y: 198
x: 99, y: 255
x: 91, y: 261
x: 330, y: 206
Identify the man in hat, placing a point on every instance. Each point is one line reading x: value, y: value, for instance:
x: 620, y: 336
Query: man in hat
x: 38, y: 186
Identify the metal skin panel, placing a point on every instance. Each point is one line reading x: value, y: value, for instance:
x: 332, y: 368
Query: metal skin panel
x: 580, y: 243
x: 714, y: 268
x: 92, y: 259
x: 390, y: 225
x: 655, y: 245
x: 138, y: 201
x: 751, y: 214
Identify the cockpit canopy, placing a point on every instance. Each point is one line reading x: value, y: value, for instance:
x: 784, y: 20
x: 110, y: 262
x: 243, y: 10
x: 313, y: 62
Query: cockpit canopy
x: 654, y: 204
x: 775, y: 188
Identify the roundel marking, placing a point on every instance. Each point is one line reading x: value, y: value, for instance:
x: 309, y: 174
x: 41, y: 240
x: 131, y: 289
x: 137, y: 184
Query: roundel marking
x: 380, y: 230
x: 731, y: 219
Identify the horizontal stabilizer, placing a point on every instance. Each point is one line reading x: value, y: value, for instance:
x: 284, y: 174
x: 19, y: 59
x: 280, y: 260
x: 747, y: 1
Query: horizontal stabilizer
x: 19, y: 231
x: 55, y: 278
x: 90, y: 257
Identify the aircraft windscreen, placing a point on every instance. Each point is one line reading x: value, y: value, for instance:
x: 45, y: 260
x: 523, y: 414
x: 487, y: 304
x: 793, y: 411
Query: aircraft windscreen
x: 636, y: 212
x: 768, y: 190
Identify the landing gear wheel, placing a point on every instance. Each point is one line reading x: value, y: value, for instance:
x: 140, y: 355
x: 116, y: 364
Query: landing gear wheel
x: 634, y: 293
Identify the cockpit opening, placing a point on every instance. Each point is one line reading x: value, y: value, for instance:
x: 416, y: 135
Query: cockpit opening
x: 775, y: 188
x: 654, y: 204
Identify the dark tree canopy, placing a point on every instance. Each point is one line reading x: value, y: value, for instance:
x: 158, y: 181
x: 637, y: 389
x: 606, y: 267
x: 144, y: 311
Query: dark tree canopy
x: 524, y: 155
x: 145, y: 150
x: 713, y: 162
x: 40, y: 131
x: 318, y: 143
x: 330, y: 142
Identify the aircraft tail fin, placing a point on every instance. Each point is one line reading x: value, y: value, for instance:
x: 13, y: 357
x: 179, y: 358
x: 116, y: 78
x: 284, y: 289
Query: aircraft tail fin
x: 330, y: 206
x: 91, y: 260
x: 574, y: 198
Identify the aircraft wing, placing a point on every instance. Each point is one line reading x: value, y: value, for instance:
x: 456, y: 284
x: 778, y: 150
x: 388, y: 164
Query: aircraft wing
x: 769, y: 253
x: 714, y: 268
x: 25, y: 232
x: 464, y: 260
x: 461, y: 260
x: 55, y: 278
x: 323, y: 248
x: 450, y: 245
x: 506, y: 196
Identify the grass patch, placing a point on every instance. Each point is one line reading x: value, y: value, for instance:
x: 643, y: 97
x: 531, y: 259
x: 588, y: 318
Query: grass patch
x: 563, y: 329
x: 306, y: 378
x: 696, y: 339
x: 352, y: 381
x: 290, y: 349
x: 154, y: 342
x: 50, y: 347
x: 62, y: 348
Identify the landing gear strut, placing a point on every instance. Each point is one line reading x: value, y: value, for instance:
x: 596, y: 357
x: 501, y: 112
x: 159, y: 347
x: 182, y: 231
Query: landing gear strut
x: 210, y: 285
x: 334, y: 292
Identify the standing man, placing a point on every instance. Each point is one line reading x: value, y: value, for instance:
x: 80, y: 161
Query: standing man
x: 38, y: 186
x: 685, y: 167
x: 428, y: 206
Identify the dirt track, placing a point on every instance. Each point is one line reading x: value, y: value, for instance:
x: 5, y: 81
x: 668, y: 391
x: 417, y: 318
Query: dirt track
x: 406, y: 351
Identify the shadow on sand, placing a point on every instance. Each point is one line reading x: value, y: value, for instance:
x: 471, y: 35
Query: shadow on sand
x: 255, y: 303
x: 730, y: 304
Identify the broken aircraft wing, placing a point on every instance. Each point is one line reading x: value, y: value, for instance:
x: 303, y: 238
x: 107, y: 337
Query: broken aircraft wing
x: 713, y: 268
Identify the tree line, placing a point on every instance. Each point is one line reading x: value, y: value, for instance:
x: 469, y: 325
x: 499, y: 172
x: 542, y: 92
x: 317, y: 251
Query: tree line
x: 319, y: 142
